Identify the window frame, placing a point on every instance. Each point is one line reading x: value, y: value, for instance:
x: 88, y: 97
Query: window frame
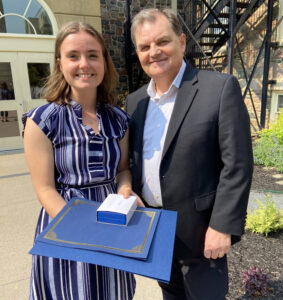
x: 45, y: 8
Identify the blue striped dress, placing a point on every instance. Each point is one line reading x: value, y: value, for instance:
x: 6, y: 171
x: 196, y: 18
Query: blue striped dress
x: 85, y: 166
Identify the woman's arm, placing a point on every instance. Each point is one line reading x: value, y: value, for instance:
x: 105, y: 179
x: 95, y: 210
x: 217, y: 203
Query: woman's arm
x: 40, y: 161
x: 124, y: 178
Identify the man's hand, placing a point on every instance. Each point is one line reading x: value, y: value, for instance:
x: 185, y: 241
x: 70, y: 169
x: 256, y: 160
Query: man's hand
x: 126, y: 191
x: 216, y: 243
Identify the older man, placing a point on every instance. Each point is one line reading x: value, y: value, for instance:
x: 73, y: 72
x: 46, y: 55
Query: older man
x: 190, y: 152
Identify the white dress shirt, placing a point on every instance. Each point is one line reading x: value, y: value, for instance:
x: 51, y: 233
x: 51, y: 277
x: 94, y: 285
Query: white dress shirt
x: 158, y: 116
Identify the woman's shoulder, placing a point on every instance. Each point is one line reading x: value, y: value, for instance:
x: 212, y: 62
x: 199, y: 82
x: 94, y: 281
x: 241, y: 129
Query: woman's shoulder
x: 46, y: 116
x: 117, y: 120
x: 118, y: 112
x: 45, y: 111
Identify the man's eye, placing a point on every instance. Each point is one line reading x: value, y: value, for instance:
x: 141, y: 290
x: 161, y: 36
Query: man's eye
x: 162, y: 43
x: 144, y: 48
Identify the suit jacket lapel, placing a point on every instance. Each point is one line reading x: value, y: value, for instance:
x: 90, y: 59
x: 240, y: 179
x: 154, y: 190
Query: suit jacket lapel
x: 185, y: 96
x: 139, y: 120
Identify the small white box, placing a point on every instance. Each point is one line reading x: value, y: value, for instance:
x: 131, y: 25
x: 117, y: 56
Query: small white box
x: 116, y: 209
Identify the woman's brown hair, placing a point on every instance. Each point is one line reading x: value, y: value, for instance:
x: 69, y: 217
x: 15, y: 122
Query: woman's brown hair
x: 58, y: 90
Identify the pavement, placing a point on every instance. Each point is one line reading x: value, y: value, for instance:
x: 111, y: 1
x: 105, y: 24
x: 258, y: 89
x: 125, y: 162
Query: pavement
x: 19, y: 210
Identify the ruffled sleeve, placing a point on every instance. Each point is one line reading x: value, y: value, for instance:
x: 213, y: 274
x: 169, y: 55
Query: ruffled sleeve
x: 118, y: 122
x: 46, y: 117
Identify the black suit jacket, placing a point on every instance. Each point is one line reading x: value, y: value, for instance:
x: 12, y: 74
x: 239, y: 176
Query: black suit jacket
x: 206, y: 167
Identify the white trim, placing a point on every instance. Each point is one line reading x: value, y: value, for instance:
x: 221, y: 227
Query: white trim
x: 280, y: 27
x: 28, y: 5
x: 22, y: 17
x: 50, y: 15
x: 24, y: 43
x: 174, y: 6
x: 274, y: 104
x: 28, y: 36
x: 48, y: 12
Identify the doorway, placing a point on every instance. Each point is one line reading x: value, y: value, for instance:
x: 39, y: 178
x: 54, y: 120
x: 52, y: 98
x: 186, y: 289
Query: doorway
x: 22, y: 76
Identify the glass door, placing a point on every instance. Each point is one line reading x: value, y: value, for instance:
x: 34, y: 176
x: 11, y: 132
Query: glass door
x: 11, y: 108
x: 34, y: 70
x: 22, y: 76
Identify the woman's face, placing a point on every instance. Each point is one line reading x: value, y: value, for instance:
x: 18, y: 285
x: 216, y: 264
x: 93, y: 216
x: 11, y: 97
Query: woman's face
x: 82, y: 62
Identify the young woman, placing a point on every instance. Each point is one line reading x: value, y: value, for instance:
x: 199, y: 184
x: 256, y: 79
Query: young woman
x: 77, y: 145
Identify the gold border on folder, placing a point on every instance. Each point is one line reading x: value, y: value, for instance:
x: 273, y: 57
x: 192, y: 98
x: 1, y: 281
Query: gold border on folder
x: 51, y: 235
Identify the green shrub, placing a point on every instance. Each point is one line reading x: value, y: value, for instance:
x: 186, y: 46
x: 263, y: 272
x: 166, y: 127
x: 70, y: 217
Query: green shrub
x: 268, y: 149
x: 266, y: 218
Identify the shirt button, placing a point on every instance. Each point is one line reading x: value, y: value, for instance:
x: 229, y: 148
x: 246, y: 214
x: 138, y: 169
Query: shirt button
x: 158, y: 125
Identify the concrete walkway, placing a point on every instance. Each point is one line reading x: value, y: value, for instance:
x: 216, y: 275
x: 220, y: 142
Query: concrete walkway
x: 19, y: 211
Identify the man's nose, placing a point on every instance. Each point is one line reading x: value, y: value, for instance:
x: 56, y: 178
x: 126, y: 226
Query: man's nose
x: 154, y: 50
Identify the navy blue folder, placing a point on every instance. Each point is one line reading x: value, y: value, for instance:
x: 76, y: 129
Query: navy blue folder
x: 76, y: 227
x: 156, y: 266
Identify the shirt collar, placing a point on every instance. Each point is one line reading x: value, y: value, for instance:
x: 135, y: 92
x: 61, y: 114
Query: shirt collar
x: 78, y: 108
x: 176, y: 82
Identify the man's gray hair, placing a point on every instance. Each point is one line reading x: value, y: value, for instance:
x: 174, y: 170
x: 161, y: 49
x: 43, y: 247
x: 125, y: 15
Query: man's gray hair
x: 150, y: 15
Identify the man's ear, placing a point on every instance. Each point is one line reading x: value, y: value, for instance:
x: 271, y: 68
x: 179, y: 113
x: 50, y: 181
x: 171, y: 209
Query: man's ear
x: 183, y: 41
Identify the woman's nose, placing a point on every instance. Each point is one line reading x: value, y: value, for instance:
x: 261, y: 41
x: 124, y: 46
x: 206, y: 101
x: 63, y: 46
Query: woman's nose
x: 83, y: 62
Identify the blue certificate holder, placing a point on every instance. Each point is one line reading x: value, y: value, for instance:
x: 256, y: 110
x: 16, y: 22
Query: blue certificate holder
x: 157, y: 265
x: 76, y: 227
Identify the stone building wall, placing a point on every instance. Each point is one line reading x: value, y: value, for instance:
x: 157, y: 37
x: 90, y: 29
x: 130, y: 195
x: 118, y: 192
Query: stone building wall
x: 113, y: 20
x: 250, y: 40
x: 114, y: 17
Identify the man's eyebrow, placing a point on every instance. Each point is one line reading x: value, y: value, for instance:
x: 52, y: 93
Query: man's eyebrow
x: 161, y: 38
x: 142, y: 45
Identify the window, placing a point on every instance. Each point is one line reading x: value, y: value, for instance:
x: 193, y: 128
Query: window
x: 38, y: 73
x: 6, y: 82
x: 24, y: 17
x: 280, y: 104
x: 276, y: 104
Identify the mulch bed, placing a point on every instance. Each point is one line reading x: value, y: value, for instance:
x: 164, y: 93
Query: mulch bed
x: 257, y: 250
x: 263, y: 180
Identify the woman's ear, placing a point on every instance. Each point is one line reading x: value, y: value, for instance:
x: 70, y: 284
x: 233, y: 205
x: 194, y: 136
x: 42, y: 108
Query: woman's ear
x: 58, y: 61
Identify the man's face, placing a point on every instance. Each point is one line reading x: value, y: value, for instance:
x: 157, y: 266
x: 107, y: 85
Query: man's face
x: 159, y: 49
